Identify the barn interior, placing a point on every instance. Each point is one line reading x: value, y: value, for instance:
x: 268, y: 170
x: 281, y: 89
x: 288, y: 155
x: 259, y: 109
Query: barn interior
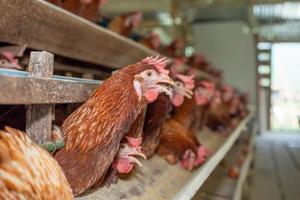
x: 54, y: 55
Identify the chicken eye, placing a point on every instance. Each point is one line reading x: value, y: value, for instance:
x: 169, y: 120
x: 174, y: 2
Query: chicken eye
x: 149, y: 73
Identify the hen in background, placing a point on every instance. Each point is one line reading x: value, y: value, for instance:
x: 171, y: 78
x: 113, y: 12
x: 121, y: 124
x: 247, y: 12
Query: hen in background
x: 178, y: 143
x: 158, y: 111
x: 126, y: 23
x: 87, y: 9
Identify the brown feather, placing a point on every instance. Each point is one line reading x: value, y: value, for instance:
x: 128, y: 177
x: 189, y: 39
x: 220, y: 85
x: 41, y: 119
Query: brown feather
x: 27, y: 171
x: 155, y: 117
x: 174, y: 141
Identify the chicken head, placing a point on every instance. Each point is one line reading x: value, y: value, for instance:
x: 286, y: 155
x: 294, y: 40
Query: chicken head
x: 126, y: 157
x: 151, y: 82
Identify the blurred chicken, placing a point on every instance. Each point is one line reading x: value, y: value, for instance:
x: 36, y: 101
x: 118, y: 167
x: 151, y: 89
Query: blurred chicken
x: 175, y: 49
x: 87, y: 9
x: 177, y: 140
x: 198, y: 61
x: 27, y: 171
x: 8, y: 56
x: 94, y: 131
x: 126, y: 23
x: 177, y: 145
x: 191, y: 113
x: 218, y: 116
x: 151, y: 41
x: 157, y: 113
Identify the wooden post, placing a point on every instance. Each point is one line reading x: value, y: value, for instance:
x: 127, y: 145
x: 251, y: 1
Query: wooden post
x: 39, y: 117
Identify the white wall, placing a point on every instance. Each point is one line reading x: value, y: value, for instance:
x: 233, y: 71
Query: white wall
x: 231, y: 50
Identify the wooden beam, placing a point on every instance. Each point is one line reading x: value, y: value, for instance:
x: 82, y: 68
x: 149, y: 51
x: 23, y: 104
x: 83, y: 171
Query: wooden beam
x: 29, y: 90
x: 39, y: 117
x: 44, y: 26
x: 59, y: 66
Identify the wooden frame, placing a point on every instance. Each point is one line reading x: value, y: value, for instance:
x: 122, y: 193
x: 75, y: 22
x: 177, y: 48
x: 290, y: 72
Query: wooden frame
x: 39, y: 90
x: 219, y: 185
x: 43, y: 91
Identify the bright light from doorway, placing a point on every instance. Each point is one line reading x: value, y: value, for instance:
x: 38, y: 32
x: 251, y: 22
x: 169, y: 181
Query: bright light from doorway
x: 285, y: 109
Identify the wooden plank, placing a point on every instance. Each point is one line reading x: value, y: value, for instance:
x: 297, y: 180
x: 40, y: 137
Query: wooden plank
x: 242, y: 178
x: 58, y: 66
x: 43, y: 26
x: 265, y: 184
x: 159, y: 180
x: 288, y: 174
x: 39, y: 117
x: 189, y: 190
x: 28, y: 90
x: 219, y: 185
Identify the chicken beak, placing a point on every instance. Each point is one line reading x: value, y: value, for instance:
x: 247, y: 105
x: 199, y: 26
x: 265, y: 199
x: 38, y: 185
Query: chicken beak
x: 138, y: 154
x: 166, y: 79
x: 188, y: 93
x: 164, y: 84
x: 135, y: 160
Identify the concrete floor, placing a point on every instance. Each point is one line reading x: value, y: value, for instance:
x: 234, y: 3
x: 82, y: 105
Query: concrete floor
x: 277, y: 167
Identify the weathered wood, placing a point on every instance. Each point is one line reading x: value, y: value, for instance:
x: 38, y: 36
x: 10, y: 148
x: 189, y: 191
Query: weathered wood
x: 28, y: 90
x: 39, y: 117
x: 42, y: 91
x: 44, y: 26
x: 59, y: 66
x: 158, y: 180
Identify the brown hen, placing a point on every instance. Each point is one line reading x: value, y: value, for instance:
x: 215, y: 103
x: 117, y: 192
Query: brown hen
x: 94, y: 131
x: 29, y: 172
x: 125, y: 24
x: 157, y: 112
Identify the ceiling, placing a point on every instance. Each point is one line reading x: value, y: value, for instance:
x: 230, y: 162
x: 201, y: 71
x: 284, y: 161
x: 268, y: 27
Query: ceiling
x: 271, y: 19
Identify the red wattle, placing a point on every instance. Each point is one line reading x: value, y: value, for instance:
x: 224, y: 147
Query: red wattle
x: 177, y: 100
x: 123, y: 166
x: 151, y: 95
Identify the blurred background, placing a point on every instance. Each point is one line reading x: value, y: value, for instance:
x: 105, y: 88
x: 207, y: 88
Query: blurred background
x: 254, y: 42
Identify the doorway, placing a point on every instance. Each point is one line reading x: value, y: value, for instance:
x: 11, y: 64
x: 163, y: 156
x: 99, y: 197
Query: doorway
x: 285, y: 87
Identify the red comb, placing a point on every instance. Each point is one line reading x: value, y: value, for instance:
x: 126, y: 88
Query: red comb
x: 188, y: 80
x: 134, y: 142
x: 158, y: 63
